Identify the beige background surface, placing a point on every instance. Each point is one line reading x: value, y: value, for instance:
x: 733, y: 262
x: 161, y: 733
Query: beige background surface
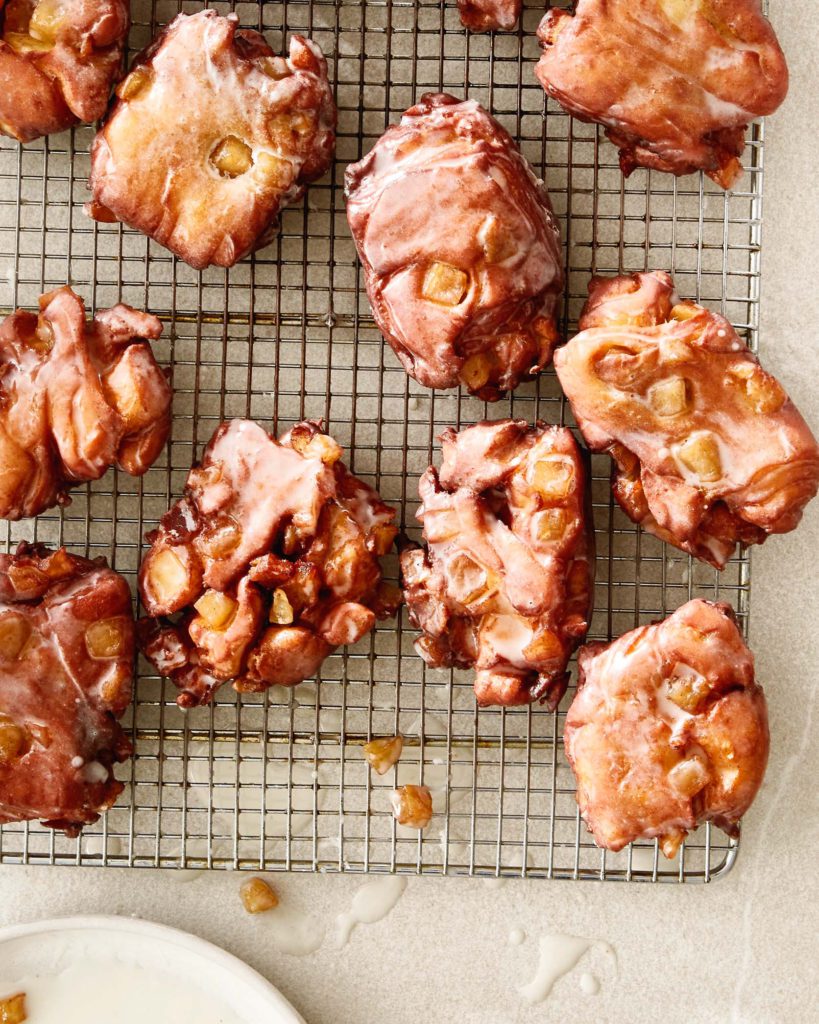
x: 742, y: 949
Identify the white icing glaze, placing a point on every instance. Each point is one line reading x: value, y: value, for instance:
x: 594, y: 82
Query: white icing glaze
x: 371, y: 903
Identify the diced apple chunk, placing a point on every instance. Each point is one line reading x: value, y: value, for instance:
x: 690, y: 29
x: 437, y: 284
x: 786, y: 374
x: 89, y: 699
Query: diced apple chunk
x: 222, y: 538
x: 552, y: 524
x: 14, y: 634
x: 381, y: 538
x: 700, y: 455
x: 670, y: 397
x: 216, y: 608
x: 444, y: 284
x: 552, y: 478
x: 167, y: 577
x: 46, y: 20
x: 412, y: 806
x: 477, y: 370
x: 544, y: 646
x: 21, y: 42
x: 381, y: 754
x: 258, y: 896
x: 467, y: 580
x: 317, y: 446
x: 762, y: 392
x: 688, y: 690
x: 274, y: 67
x: 135, y: 84
x: 685, y: 310
x: 14, y: 742
x: 281, y: 611
x: 671, y: 842
x: 106, y: 638
x: 13, y: 1009
x: 232, y: 157
x: 689, y: 776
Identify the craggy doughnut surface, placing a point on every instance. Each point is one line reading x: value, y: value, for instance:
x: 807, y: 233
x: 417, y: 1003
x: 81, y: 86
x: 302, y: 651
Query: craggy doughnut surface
x: 211, y: 135
x: 66, y: 657
x: 460, y: 248
x: 272, y: 559
x: 76, y: 397
x: 506, y: 581
x: 709, y: 450
x: 668, y: 729
x: 486, y: 15
x: 674, y: 82
x: 58, y: 61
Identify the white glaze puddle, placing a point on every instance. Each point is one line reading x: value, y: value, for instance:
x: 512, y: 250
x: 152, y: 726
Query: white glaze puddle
x: 103, y: 992
x: 559, y: 954
x: 292, y: 931
x: 371, y: 903
x: 516, y: 937
x: 589, y: 984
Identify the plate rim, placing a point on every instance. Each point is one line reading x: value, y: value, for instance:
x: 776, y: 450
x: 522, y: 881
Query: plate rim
x: 244, y: 973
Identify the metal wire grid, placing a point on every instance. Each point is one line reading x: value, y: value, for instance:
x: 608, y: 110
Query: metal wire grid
x: 277, y: 781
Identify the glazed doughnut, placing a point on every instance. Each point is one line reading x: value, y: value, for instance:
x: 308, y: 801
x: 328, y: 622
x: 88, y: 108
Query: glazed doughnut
x: 668, y: 729
x: 210, y: 136
x: 58, y: 61
x: 272, y: 559
x: 709, y: 451
x: 505, y: 583
x: 66, y: 656
x: 76, y: 397
x: 675, y: 83
x: 459, y: 247
x: 487, y: 15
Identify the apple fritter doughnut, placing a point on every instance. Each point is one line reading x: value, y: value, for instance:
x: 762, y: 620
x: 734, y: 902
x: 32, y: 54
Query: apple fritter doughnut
x: 76, y: 397
x: 505, y: 584
x: 58, y: 61
x: 668, y: 729
x: 675, y: 83
x: 66, y: 657
x: 272, y: 559
x: 459, y: 246
x: 211, y: 135
x: 487, y: 15
x: 709, y: 451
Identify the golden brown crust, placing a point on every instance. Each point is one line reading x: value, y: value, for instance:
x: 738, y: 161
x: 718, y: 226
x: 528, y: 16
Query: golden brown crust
x: 488, y: 15
x: 709, y: 451
x: 211, y: 135
x: 674, y: 82
x: 76, y: 397
x: 276, y: 546
x: 668, y: 729
x: 58, y: 61
x: 66, y: 657
x: 459, y: 246
x: 505, y: 583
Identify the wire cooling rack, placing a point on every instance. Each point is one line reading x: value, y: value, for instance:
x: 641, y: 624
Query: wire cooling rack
x: 278, y: 780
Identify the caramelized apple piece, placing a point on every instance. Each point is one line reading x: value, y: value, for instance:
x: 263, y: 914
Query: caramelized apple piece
x: 444, y: 284
x: 412, y: 806
x: 14, y: 740
x: 14, y: 633
x: 552, y: 478
x: 13, y: 1009
x: 232, y: 157
x: 216, y: 608
x: 258, y: 896
x: 670, y: 397
x: 107, y: 638
x: 382, y: 754
x: 700, y: 454
x: 281, y: 611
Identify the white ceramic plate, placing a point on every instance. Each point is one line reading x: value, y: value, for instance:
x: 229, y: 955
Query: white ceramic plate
x: 95, y: 970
